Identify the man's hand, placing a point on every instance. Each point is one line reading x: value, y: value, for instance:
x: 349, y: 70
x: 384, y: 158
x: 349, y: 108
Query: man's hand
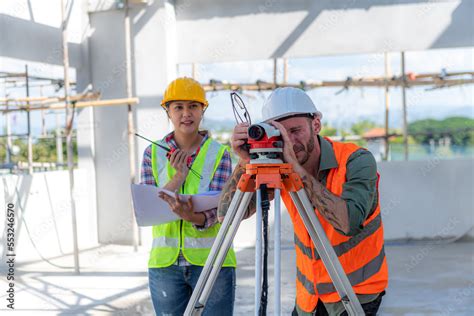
x: 238, y: 139
x: 183, y: 209
x: 288, y: 151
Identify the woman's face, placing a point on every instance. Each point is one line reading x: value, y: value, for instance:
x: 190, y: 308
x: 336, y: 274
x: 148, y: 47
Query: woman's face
x: 185, y: 116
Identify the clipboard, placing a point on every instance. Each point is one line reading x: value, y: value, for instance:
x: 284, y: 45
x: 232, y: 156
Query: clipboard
x: 151, y: 210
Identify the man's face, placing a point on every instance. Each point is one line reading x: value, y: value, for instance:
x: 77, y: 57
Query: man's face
x: 185, y: 115
x: 302, y: 132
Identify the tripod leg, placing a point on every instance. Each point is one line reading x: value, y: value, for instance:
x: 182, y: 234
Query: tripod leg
x: 325, y: 250
x: 226, y: 245
x: 214, y: 251
x: 222, y: 243
x: 258, y: 252
x: 277, y: 253
x: 265, y: 205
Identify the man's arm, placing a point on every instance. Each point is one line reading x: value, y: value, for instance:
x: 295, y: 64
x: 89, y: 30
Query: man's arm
x: 360, y: 189
x: 229, y: 191
x: 237, y: 141
x: 332, y: 207
x: 359, y: 195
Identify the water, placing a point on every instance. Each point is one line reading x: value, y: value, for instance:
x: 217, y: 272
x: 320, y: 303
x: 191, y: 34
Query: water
x: 420, y: 152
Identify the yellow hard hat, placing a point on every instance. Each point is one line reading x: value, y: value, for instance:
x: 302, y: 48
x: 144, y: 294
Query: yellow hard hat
x: 184, y: 89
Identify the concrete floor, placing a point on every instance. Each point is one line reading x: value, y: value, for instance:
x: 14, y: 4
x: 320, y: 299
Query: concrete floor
x: 425, y: 279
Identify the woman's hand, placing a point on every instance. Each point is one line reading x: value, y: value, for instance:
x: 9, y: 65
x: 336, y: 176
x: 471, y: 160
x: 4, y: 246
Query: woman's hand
x: 179, y: 161
x: 184, y: 209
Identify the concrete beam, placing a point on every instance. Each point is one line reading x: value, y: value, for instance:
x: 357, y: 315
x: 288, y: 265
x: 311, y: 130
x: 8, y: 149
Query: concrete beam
x: 217, y: 31
x: 34, y: 42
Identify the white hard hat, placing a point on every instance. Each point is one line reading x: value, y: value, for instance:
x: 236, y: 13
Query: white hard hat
x: 287, y: 102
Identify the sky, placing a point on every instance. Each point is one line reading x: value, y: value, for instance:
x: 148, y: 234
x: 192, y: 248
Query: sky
x: 339, y: 110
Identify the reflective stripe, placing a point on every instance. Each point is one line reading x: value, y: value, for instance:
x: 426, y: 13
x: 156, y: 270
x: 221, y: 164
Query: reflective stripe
x: 308, y: 285
x: 368, y: 230
x: 160, y: 242
x: 358, y: 276
x: 207, y: 171
x: 154, y: 163
x: 161, y: 164
x: 198, y: 242
x: 305, y: 250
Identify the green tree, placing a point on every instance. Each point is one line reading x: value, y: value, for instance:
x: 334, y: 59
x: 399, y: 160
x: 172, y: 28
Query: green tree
x: 459, y: 129
x: 425, y: 130
x: 44, y: 149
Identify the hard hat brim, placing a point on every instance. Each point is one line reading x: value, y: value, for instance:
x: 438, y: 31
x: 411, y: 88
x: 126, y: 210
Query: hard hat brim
x: 292, y: 114
x: 164, y: 102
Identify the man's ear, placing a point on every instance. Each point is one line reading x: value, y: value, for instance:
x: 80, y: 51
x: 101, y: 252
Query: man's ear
x: 316, y: 124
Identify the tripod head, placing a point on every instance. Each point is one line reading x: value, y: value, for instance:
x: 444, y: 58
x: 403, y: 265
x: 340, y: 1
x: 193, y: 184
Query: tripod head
x: 265, y: 144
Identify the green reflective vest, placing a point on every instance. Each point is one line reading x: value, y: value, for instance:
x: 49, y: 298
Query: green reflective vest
x: 169, y: 238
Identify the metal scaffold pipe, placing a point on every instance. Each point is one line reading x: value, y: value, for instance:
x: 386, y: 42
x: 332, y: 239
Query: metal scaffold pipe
x: 28, y: 118
x: 387, y: 106
x: 69, y: 125
x: 404, y: 100
x: 131, y: 128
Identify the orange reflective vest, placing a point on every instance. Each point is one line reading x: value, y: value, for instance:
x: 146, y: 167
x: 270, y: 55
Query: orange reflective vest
x: 362, y: 256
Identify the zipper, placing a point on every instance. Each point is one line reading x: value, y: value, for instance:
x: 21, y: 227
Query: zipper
x: 181, y: 242
x: 180, y: 235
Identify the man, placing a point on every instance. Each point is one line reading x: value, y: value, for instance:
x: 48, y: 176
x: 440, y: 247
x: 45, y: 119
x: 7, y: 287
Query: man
x: 341, y: 181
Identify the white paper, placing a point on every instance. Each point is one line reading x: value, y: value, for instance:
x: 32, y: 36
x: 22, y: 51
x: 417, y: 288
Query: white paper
x: 151, y: 210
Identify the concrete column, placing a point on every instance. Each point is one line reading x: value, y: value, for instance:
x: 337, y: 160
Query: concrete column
x: 85, y: 123
x: 153, y: 59
x: 155, y: 67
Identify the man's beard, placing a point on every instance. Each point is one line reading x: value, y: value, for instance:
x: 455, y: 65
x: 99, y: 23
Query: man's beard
x: 299, y: 147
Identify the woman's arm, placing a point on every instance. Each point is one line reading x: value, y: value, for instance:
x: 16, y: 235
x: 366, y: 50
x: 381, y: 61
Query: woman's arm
x: 178, y: 161
x: 146, y: 173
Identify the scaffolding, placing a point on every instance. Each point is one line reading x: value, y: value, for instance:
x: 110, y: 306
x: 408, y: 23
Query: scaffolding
x: 26, y: 104
x: 432, y: 81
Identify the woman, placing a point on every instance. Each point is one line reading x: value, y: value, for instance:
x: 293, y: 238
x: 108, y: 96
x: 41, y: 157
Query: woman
x: 180, y: 248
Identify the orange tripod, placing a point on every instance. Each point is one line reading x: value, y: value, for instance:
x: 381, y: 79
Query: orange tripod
x: 276, y: 176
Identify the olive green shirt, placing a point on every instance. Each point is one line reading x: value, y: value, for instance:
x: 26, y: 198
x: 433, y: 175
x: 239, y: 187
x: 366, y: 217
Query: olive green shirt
x: 360, y: 194
x: 359, y: 190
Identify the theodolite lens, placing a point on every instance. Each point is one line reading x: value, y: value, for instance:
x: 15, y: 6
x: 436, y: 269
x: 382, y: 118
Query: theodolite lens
x: 256, y: 132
